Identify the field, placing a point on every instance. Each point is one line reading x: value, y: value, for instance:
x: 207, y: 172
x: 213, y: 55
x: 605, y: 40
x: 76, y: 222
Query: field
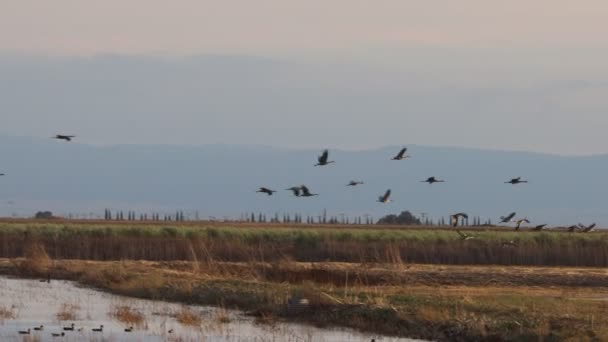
x: 412, y: 282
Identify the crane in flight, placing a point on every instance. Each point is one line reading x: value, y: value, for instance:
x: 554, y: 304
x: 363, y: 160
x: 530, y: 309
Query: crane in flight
x: 354, y: 183
x: 323, y: 159
x: 516, y: 180
x: 456, y: 217
x: 64, y: 137
x: 401, y: 155
x: 432, y: 180
x: 507, y: 219
x: 266, y: 191
x: 306, y: 192
x: 386, y: 197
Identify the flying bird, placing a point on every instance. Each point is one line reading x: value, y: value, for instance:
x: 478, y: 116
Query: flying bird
x: 323, y: 159
x: 587, y: 229
x: 573, y: 228
x: 354, y: 183
x: 464, y: 236
x: 306, y: 192
x: 539, y: 227
x: 401, y: 155
x: 456, y: 217
x: 2, y: 174
x: 266, y: 191
x: 386, y: 197
x: 520, y: 222
x: 506, y: 219
x: 64, y: 137
x: 295, y: 190
x: 516, y: 181
x: 432, y: 180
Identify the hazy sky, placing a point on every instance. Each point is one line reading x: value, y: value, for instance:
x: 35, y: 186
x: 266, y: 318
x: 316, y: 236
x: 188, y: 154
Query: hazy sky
x: 526, y: 75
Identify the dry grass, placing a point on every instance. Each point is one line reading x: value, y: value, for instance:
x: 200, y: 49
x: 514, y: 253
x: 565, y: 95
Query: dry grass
x: 7, y: 313
x: 68, y: 312
x: 187, y: 316
x: 36, y: 260
x: 128, y: 315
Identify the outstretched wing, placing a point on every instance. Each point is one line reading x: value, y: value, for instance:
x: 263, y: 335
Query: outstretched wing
x: 323, y: 157
x: 402, y: 152
x: 305, y: 190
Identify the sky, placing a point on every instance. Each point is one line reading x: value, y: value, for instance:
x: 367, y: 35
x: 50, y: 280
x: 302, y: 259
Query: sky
x: 516, y: 75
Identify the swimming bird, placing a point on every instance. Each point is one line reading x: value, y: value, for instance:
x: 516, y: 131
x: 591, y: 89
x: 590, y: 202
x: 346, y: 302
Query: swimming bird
x: 41, y: 327
x: 516, y: 181
x: 401, y: 155
x: 323, y: 159
x: 432, y: 180
x: 386, y: 197
x: 454, y: 218
x: 58, y: 334
x: 540, y: 227
x: 519, y: 223
x: 464, y: 236
x: 306, y: 192
x: 506, y: 219
x: 100, y: 329
x: 266, y: 191
x: 25, y: 332
x: 170, y: 331
x: 354, y: 183
x: 296, y: 190
x: 64, y: 137
x: 129, y: 329
x: 70, y: 328
x: 588, y: 229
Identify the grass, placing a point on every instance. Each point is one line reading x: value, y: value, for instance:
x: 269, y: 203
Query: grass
x: 362, y: 244
x: 128, y: 315
x: 458, y: 307
x: 68, y: 312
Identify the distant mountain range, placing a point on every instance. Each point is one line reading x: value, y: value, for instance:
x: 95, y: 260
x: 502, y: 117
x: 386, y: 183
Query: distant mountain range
x: 221, y: 180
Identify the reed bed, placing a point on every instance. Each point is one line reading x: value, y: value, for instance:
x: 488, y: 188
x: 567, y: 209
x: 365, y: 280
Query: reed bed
x: 203, y: 243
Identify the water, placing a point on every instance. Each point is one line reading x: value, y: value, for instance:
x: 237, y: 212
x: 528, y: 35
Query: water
x: 35, y: 303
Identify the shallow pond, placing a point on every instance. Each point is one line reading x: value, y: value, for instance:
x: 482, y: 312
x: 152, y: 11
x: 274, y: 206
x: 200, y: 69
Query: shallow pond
x: 25, y: 304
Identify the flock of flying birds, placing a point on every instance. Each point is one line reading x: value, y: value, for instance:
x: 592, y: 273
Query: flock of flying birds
x: 455, y: 219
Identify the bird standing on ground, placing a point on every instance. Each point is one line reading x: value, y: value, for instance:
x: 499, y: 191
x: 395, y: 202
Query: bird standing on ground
x: 323, y: 159
x: 386, y: 197
x: 306, y: 192
x: 401, y: 155
x: 354, y: 183
x: 516, y: 181
x: 432, y: 180
x: 456, y: 217
x: 266, y: 191
x: 507, y: 219
x: 64, y: 137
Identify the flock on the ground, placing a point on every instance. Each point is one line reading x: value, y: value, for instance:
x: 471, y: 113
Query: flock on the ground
x: 455, y: 219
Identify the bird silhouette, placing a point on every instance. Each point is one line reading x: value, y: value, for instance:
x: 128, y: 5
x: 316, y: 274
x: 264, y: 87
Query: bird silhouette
x: 323, y: 159
x: 432, y: 180
x: 573, y: 228
x: 295, y: 190
x: 454, y: 218
x: 464, y: 236
x: 129, y: 329
x: 516, y: 181
x: 266, y: 191
x: 506, y: 219
x: 25, y: 332
x: 306, y: 192
x: 401, y: 155
x: 58, y: 334
x: 354, y: 183
x: 520, y: 222
x: 386, y: 197
x: 70, y: 328
x: 64, y: 137
x: 100, y: 329
x: 539, y: 227
x: 2, y: 174
x: 587, y: 229
x: 41, y: 327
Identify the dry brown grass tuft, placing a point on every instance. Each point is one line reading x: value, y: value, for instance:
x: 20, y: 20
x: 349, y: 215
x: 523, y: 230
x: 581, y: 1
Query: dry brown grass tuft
x: 37, y: 261
x: 7, y: 313
x: 128, y: 315
x: 68, y: 312
x: 188, y: 317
